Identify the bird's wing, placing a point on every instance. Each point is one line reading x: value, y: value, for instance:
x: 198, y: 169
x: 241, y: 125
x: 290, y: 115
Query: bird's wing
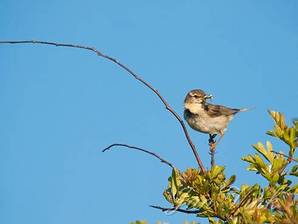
x: 218, y: 110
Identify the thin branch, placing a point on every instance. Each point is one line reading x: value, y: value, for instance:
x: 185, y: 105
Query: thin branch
x: 184, y: 211
x: 212, y: 155
x: 175, y: 209
x: 155, y: 91
x: 139, y: 149
x: 290, y: 159
x: 212, y: 149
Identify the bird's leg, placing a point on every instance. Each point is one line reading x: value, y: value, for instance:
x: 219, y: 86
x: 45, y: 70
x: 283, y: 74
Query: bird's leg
x: 212, y: 140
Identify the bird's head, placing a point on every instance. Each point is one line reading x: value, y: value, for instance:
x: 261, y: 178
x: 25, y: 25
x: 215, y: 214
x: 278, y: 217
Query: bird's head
x: 196, y: 96
x: 195, y: 100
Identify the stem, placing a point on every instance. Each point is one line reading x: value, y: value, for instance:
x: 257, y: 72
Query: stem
x: 140, y: 149
x: 155, y: 91
x: 212, y: 149
x: 175, y: 209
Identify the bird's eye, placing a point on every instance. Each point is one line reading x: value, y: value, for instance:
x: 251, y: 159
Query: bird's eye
x: 196, y: 96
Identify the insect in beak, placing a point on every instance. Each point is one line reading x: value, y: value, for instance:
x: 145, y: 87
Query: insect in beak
x: 208, y: 96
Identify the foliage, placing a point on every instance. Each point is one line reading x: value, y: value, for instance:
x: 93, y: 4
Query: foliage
x: 138, y: 222
x: 144, y: 222
x: 211, y: 194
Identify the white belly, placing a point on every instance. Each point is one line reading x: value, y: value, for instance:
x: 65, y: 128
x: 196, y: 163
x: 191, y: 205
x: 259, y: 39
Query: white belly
x: 206, y: 124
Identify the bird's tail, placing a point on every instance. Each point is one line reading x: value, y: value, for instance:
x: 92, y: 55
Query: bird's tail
x: 246, y: 109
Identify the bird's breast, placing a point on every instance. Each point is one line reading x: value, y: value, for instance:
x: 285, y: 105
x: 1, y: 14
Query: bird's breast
x: 196, y: 121
x: 202, y: 122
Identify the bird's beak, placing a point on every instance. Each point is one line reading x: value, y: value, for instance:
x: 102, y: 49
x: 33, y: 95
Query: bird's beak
x: 208, y: 96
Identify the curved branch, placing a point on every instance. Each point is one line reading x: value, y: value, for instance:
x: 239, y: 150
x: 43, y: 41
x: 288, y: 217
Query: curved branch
x: 185, y: 211
x: 175, y: 209
x: 139, y: 149
x: 155, y: 91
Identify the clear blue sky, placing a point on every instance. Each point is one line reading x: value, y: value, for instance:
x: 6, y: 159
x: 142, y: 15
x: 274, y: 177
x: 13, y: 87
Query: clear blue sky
x: 60, y: 106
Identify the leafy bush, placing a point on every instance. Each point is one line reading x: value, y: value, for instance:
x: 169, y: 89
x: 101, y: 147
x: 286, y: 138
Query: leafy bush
x: 212, y: 196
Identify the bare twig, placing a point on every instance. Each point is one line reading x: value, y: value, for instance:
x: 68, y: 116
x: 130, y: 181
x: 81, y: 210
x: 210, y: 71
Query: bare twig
x: 184, y: 211
x: 175, y: 209
x: 212, y: 148
x: 290, y: 159
x: 212, y: 155
x: 139, y: 149
x: 98, y: 53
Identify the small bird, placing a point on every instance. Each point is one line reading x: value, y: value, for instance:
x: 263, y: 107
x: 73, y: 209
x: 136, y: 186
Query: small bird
x: 205, y: 117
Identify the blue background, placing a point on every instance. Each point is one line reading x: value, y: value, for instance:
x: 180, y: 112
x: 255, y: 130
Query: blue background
x: 60, y: 107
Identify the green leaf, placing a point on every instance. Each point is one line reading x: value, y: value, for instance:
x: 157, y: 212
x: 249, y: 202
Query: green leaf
x: 168, y: 196
x: 292, y: 135
x: 181, y: 199
x: 279, y: 118
x: 248, y: 158
x: 260, y: 164
x: 139, y: 222
x: 274, y: 178
x: 252, y: 167
x: 229, y: 182
x: 268, y: 155
x: 175, y: 182
x: 294, y: 171
x: 215, y: 171
x: 257, y: 164
x: 268, y: 193
x: 278, y: 164
x: 193, y: 202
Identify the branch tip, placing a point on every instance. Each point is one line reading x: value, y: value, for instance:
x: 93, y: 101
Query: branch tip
x: 140, y: 149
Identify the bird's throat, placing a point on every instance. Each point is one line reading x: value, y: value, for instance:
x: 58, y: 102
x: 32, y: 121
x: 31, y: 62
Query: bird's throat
x: 194, y: 108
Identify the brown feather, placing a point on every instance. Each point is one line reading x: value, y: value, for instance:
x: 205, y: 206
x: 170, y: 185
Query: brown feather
x: 218, y: 110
